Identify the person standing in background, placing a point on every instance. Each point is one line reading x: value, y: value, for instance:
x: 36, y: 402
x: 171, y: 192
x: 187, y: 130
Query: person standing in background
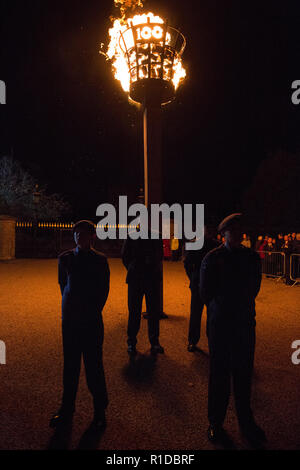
x: 143, y: 261
x: 192, y: 265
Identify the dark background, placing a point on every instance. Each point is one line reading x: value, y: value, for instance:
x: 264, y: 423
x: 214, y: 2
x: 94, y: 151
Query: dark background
x: 69, y: 123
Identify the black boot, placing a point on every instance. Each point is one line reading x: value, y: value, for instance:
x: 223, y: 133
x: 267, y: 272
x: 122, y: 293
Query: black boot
x: 98, y: 424
x: 254, y: 434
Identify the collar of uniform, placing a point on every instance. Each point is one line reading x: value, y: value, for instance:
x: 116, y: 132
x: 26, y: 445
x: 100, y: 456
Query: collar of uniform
x: 233, y: 249
x: 80, y: 251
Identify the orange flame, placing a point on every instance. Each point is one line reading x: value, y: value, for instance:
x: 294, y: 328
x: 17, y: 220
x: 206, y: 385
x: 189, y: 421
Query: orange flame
x: 117, y: 55
x: 128, y: 4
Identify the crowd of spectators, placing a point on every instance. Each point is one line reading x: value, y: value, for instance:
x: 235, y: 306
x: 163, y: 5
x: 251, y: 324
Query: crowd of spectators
x: 289, y: 243
x: 276, y: 265
x: 246, y: 240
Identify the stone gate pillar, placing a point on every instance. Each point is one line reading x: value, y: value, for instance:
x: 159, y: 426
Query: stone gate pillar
x: 7, y: 237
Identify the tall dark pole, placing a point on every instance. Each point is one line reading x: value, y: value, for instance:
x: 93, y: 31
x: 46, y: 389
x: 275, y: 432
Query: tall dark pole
x: 152, y: 126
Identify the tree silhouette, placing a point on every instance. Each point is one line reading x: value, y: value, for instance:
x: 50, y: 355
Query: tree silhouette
x: 17, y: 189
x: 272, y: 202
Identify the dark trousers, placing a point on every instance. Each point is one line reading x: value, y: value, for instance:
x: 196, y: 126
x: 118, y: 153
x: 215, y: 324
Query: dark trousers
x: 136, y: 292
x: 86, y: 341
x: 195, y: 316
x: 231, y: 355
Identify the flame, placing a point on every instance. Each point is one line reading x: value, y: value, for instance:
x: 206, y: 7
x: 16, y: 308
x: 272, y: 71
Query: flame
x: 142, y: 19
x: 128, y: 4
x: 117, y: 55
x: 179, y: 73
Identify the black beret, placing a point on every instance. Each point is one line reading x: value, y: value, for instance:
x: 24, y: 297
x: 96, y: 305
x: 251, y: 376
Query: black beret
x: 228, y: 221
x: 85, y: 224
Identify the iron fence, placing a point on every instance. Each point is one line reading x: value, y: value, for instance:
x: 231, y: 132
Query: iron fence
x: 295, y: 268
x: 49, y: 239
x: 273, y: 264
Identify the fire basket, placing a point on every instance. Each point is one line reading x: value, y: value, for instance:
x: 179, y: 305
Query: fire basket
x: 153, y: 52
x: 146, y: 56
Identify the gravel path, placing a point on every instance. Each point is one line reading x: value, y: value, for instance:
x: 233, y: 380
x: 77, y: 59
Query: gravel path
x: 155, y: 404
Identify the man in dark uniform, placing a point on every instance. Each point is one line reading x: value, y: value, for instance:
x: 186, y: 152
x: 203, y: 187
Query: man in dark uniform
x: 83, y: 276
x: 192, y: 264
x: 143, y: 261
x: 230, y: 280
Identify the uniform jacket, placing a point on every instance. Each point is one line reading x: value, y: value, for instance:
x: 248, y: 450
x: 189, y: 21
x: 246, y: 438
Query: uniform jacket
x: 193, y: 259
x: 83, y: 277
x: 143, y: 259
x: 230, y: 280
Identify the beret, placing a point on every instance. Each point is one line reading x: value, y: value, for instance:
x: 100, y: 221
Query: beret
x: 228, y: 221
x: 85, y: 224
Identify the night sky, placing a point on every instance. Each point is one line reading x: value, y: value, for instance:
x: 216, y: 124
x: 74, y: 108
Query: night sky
x: 69, y: 123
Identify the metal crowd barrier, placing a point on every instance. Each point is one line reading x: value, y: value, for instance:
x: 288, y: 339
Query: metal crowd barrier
x: 295, y: 268
x: 273, y: 263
